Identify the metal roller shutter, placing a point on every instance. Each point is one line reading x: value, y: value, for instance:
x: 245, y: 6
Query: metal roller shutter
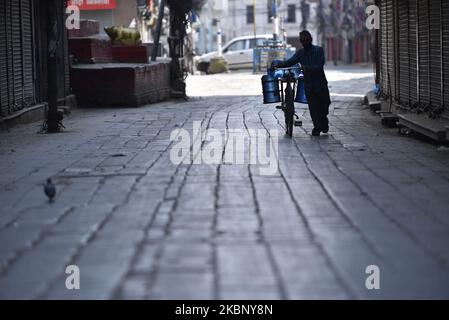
x: 404, y: 61
x: 391, y: 47
x: 435, y: 58
x: 16, y: 56
x: 445, y: 40
x: 3, y: 62
x: 16, y: 45
x: 423, y: 51
x: 66, y: 68
x: 27, y: 54
x: 412, y: 50
x: 65, y: 40
x: 9, y: 60
x: 384, y: 43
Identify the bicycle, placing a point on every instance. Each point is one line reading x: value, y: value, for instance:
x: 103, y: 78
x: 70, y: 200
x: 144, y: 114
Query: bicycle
x: 288, y: 76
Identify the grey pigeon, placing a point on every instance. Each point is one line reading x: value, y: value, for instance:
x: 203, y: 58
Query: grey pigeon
x: 50, y: 190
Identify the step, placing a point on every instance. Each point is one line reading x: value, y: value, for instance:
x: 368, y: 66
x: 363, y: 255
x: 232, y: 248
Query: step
x: 435, y: 129
x: 372, y: 101
x: 388, y: 119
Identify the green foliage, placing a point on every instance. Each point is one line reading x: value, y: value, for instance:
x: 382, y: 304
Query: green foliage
x: 218, y: 65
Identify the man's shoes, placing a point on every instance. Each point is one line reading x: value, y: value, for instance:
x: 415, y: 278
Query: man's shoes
x: 316, y: 132
x: 325, y: 130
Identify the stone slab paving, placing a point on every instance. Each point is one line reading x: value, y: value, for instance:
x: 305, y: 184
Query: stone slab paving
x: 139, y: 226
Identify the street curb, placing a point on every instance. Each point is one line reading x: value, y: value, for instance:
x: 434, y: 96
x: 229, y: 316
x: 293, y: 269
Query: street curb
x: 24, y: 116
x: 35, y: 113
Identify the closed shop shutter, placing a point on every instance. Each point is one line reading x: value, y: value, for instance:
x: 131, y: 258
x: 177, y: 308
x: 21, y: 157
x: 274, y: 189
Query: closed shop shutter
x: 3, y: 62
x: 445, y: 24
x: 27, y: 54
x: 391, y: 47
x: 65, y: 90
x: 412, y: 51
x: 384, y: 43
x: 66, y: 68
x: 404, y: 61
x: 423, y: 52
x: 9, y: 58
x: 16, y: 56
x: 435, y: 57
x: 66, y: 61
x: 17, y: 62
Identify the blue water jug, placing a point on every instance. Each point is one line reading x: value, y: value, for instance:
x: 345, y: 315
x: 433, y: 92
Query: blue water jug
x: 270, y: 88
x: 301, y: 91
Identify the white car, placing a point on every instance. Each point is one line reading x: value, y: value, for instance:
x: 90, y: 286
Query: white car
x: 238, y: 52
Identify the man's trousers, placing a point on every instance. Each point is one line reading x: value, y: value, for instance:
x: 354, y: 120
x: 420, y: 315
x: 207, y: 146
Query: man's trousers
x: 319, y: 102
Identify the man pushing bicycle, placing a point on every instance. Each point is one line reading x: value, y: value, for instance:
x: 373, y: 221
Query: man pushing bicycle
x: 312, y: 60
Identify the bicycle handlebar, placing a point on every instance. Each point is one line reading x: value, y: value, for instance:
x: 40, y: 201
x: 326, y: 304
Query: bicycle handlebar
x: 289, y: 68
x: 283, y: 74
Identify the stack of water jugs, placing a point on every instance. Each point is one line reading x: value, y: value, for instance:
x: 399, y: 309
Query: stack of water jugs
x: 270, y: 85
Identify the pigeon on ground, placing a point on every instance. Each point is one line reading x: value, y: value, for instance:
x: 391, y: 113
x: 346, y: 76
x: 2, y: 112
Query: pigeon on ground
x: 50, y: 190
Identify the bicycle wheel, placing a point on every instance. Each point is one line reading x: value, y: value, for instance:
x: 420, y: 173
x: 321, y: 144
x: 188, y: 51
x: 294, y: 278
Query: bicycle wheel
x: 289, y: 111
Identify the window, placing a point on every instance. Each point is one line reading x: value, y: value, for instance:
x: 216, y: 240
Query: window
x: 258, y: 42
x: 291, y: 13
x: 237, y: 46
x: 249, y: 14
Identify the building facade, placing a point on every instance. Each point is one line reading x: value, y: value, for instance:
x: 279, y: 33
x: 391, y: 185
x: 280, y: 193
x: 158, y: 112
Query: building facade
x: 244, y: 19
x: 337, y: 25
x: 247, y: 17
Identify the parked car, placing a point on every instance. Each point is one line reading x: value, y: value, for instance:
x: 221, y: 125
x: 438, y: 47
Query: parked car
x: 238, y: 52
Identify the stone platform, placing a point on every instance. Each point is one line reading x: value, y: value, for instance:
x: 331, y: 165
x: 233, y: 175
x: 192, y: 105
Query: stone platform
x: 120, y: 84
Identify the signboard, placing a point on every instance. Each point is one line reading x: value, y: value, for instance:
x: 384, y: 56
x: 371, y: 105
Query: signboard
x: 93, y: 4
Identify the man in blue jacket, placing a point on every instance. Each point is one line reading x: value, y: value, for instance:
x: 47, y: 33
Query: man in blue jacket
x: 312, y: 60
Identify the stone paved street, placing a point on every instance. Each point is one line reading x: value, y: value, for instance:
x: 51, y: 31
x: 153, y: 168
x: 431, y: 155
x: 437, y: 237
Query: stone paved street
x: 139, y: 226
